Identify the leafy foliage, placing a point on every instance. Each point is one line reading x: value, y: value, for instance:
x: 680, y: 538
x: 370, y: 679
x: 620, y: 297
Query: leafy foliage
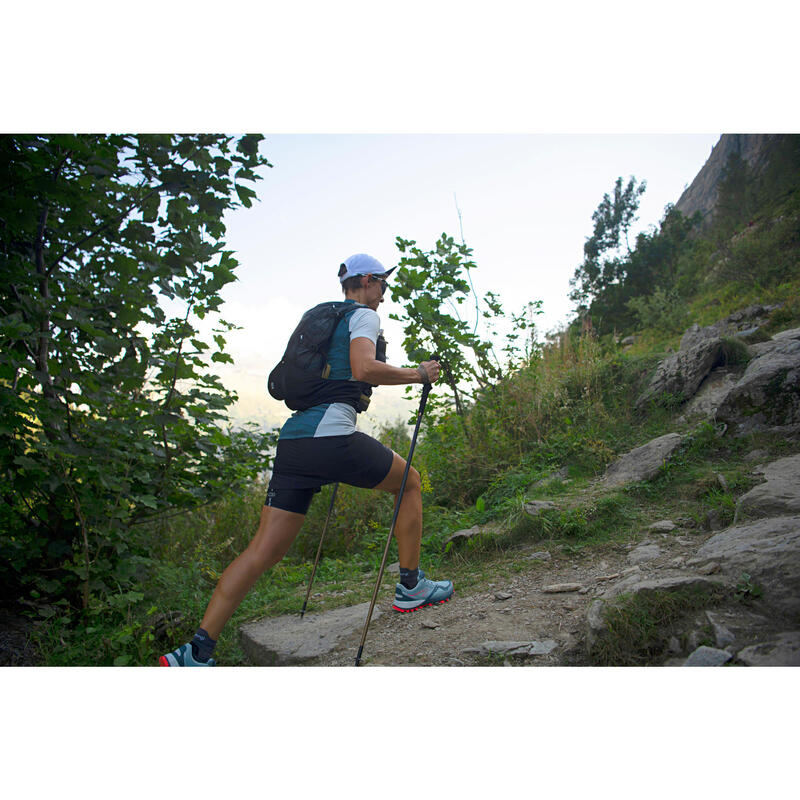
x: 603, y: 265
x: 433, y: 286
x: 112, y: 251
x: 569, y: 406
x: 639, y: 286
x: 662, y: 310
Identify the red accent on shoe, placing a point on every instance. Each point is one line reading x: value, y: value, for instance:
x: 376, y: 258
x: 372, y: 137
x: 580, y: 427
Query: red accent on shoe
x: 162, y: 662
x: 422, y: 605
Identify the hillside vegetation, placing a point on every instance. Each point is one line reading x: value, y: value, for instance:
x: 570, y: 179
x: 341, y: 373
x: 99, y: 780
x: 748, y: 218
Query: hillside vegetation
x: 546, y: 428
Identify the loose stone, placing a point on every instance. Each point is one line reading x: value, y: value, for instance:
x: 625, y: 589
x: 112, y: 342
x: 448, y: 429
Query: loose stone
x: 722, y: 636
x: 534, y: 648
x: 708, y: 657
x: 662, y: 526
x: 644, y: 553
x: 541, y: 555
x: 555, y: 588
x: 535, y: 507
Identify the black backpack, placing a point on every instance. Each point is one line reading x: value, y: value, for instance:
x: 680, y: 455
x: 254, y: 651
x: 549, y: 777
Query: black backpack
x: 301, y: 379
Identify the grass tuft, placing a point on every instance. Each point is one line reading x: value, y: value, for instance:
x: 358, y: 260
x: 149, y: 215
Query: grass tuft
x: 639, y: 626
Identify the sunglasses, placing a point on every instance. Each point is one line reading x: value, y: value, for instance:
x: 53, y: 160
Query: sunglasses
x: 383, y: 282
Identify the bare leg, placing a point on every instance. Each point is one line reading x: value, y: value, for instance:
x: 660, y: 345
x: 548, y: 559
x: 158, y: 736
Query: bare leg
x: 276, y: 532
x: 408, y: 529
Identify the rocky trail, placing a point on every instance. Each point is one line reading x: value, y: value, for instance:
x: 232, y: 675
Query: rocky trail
x: 540, y: 617
x: 552, y: 608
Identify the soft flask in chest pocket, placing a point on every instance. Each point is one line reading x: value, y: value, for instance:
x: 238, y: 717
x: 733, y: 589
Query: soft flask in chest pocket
x: 380, y: 348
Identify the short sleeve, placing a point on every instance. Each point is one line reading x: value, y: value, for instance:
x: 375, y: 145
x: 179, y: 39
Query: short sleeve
x: 365, y: 322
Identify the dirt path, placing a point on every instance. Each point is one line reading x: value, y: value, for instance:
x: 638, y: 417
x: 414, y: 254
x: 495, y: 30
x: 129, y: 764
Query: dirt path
x: 512, y: 608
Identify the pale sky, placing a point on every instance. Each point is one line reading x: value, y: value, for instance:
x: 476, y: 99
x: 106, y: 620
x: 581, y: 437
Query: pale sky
x: 526, y: 203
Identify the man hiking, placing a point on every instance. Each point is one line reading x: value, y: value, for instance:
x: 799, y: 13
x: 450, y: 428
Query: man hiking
x: 320, y: 445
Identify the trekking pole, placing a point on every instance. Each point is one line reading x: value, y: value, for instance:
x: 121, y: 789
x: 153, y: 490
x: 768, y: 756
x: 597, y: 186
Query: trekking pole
x: 319, y: 549
x: 425, y: 391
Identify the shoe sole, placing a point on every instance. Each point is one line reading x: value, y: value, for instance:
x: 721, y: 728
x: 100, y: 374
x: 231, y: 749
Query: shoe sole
x: 422, y: 605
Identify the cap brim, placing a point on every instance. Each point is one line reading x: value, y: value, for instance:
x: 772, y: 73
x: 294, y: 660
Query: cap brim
x: 343, y: 278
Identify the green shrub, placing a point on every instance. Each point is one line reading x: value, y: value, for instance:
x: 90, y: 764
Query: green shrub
x: 663, y: 310
x: 569, y: 406
x: 764, y: 253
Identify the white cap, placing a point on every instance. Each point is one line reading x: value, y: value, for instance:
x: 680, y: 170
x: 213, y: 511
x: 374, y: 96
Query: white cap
x: 362, y: 264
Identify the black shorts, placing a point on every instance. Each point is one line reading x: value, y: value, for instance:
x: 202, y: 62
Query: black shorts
x: 303, y: 466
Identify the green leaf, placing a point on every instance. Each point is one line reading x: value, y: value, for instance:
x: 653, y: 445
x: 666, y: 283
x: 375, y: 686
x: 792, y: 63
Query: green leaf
x: 245, y: 195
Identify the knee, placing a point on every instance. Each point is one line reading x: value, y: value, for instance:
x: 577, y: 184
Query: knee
x: 414, y: 482
x: 265, y: 552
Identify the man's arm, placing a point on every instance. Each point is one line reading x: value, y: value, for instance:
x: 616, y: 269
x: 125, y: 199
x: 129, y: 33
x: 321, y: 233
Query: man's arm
x: 365, y: 367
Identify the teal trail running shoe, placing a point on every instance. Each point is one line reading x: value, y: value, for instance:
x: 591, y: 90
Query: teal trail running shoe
x: 425, y: 593
x: 183, y: 657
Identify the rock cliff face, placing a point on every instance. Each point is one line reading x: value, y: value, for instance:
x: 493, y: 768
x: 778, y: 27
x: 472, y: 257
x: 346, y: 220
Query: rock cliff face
x: 702, y: 194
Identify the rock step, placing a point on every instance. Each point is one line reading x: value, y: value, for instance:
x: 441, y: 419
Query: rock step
x: 782, y: 651
x: 768, y: 551
x: 288, y: 640
x: 642, y: 463
x: 778, y: 496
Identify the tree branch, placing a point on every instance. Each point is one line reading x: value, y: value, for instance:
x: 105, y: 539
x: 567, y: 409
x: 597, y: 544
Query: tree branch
x: 85, y: 538
x: 43, y: 349
x: 469, y: 275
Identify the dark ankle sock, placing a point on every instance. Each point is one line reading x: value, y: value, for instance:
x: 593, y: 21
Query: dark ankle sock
x: 409, y: 577
x: 202, y: 645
